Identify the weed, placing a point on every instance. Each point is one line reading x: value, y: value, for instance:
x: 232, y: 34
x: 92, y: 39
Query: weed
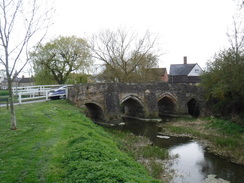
x: 156, y: 169
x: 226, y: 127
x: 151, y: 151
x: 226, y: 142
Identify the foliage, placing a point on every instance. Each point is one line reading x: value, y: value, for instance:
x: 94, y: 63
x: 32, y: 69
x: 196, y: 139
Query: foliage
x: 4, y: 92
x: 223, y: 83
x: 153, y: 151
x: 59, y: 58
x: 75, y: 78
x: 226, y: 127
x: 43, y: 76
x: 142, y: 150
x: 56, y: 143
x: 125, y: 56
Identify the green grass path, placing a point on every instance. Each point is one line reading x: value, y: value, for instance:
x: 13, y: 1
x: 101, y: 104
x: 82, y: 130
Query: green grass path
x: 54, y: 142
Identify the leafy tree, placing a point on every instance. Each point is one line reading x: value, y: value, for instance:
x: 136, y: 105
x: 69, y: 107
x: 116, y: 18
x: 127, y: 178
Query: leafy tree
x: 21, y: 23
x: 223, y: 83
x: 60, y: 57
x: 223, y: 80
x: 77, y: 78
x: 43, y: 76
x: 124, y: 55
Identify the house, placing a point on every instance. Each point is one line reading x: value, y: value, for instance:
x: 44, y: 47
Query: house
x: 18, y: 82
x: 1, y: 80
x: 185, y: 73
x: 157, y: 74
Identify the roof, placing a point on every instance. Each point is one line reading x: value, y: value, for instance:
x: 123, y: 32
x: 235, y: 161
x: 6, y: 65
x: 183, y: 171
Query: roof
x: 20, y: 80
x: 159, y: 71
x: 180, y: 69
x: 26, y: 80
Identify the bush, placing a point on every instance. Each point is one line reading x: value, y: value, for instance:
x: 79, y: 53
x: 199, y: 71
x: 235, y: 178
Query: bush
x: 4, y: 93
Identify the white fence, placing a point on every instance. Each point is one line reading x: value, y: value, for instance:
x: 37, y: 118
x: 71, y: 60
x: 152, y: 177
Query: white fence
x: 34, y: 92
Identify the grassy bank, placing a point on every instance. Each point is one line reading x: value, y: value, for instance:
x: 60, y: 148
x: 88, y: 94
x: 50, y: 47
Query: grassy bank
x: 54, y: 142
x: 142, y: 150
x: 222, y: 137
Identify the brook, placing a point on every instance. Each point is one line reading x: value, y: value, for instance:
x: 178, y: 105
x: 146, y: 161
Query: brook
x: 193, y: 163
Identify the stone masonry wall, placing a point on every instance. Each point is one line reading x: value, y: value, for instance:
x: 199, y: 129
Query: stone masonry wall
x: 109, y: 96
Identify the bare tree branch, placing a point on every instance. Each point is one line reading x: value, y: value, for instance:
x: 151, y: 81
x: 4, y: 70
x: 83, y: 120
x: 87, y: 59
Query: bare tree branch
x: 20, y: 23
x: 123, y: 52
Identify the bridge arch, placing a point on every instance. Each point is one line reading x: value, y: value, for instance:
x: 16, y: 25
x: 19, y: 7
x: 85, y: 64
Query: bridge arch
x: 132, y: 106
x: 193, y: 107
x: 167, y: 104
x: 94, y: 112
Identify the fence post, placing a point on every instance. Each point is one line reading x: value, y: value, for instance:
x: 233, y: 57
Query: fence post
x: 20, y: 97
x: 46, y: 94
x: 7, y: 103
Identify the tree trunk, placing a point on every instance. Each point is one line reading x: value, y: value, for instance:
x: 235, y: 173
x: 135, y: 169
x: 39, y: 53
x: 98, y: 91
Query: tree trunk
x: 11, y: 102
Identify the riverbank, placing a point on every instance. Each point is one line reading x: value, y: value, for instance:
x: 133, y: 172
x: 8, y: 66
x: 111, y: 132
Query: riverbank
x: 222, y: 138
x: 55, y: 142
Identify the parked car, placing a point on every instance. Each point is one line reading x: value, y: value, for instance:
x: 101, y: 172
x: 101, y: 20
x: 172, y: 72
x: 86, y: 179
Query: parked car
x: 59, y: 93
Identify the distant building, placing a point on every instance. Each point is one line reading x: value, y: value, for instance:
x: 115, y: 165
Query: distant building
x: 18, y: 82
x: 157, y: 75
x: 185, y: 73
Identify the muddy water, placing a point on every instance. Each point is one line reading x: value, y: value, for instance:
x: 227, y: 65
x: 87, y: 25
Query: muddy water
x: 194, y: 163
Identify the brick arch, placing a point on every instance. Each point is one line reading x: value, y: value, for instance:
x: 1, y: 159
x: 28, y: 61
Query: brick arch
x: 167, y: 104
x: 94, y: 111
x: 193, y: 107
x: 132, y: 106
x: 169, y: 95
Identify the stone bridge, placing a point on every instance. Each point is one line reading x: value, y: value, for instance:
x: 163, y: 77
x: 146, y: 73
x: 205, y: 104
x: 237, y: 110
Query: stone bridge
x: 112, y: 102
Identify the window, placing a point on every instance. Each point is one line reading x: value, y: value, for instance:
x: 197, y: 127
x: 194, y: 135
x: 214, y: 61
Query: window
x: 196, y: 70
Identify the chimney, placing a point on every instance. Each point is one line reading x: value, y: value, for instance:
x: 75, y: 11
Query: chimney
x: 185, y: 60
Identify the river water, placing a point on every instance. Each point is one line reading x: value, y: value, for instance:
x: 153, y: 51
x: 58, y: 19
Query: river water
x: 193, y: 163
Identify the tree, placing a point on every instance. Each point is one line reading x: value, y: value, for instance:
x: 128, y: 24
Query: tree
x: 124, y: 54
x: 42, y: 75
x: 21, y: 22
x: 78, y: 78
x: 60, y: 57
x: 223, y: 83
x: 223, y: 80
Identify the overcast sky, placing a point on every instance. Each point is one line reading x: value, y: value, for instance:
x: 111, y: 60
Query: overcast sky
x: 193, y: 28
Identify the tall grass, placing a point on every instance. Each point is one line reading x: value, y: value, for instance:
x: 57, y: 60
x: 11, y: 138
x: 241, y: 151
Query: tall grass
x: 226, y: 127
x: 142, y: 150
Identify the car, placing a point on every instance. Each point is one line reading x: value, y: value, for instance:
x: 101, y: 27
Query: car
x: 59, y: 93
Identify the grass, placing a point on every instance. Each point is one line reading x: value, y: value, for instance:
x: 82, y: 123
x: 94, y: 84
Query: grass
x: 54, y: 142
x: 141, y: 149
x: 226, y: 127
x: 231, y: 133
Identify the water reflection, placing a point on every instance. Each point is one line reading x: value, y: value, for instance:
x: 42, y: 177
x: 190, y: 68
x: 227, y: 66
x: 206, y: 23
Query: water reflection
x: 194, y: 163
x: 187, y: 164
